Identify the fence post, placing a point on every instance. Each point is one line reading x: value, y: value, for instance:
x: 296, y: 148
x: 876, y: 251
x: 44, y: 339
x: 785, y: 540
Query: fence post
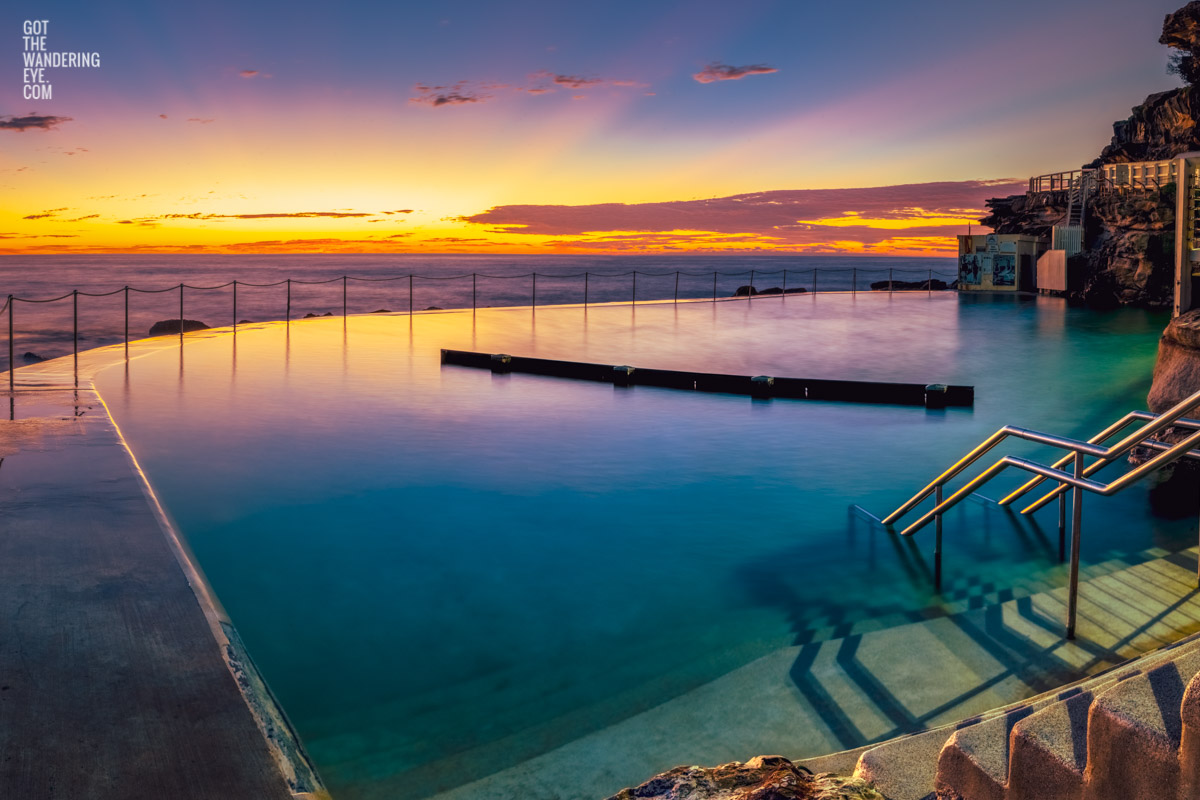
x: 929, y: 284
x: 814, y: 280
x: 937, y: 542
x: 473, y: 292
x: 12, y: 304
x: 533, y: 301
x: 891, y: 283
x: 343, y: 297
x: 714, y: 286
x: 289, y: 301
x: 75, y: 325
x: 854, y: 280
x: 585, y: 289
x: 676, y: 286
x: 410, y: 296
x: 750, y: 288
x: 126, y: 322
x: 633, y: 300
x: 784, y: 292
x: 1076, y: 525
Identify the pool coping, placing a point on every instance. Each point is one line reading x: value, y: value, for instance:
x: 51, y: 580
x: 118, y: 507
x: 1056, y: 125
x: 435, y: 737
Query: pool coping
x: 36, y: 383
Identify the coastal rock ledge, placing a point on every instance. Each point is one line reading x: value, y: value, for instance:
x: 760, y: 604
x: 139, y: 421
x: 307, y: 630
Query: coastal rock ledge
x: 1177, y: 370
x: 760, y: 778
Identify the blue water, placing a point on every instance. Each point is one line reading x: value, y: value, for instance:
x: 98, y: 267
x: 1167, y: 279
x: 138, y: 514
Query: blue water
x: 443, y: 573
x: 381, y: 282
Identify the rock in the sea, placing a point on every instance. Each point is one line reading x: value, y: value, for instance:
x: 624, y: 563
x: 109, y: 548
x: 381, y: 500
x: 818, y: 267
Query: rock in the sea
x: 168, y: 326
x: 744, y: 290
x: 777, y: 290
x: 381, y: 311
x: 310, y: 315
x: 32, y: 358
x: 434, y: 308
x: 760, y: 778
x: 245, y: 322
x: 900, y: 286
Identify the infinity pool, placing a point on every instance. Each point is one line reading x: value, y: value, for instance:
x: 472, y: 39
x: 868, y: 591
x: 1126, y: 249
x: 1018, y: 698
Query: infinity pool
x: 444, y: 573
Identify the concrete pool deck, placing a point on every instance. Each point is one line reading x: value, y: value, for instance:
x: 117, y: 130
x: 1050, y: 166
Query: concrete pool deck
x: 123, y: 684
x: 120, y: 676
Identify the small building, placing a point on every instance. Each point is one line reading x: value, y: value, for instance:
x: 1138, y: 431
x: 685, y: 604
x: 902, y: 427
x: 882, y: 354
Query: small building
x: 998, y: 262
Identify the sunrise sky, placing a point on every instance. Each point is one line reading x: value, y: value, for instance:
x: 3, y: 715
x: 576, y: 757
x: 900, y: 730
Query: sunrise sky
x: 554, y: 127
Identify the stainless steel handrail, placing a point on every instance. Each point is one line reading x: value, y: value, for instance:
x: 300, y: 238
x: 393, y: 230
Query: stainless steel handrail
x: 1133, y: 416
x: 1077, y: 480
x: 1090, y: 447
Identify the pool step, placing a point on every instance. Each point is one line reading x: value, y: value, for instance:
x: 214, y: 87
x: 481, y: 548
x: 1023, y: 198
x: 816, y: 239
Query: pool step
x: 1132, y: 733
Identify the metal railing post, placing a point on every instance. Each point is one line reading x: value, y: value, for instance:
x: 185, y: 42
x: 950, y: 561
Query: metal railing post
x: 344, y: 299
x: 750, y: 288
x: 784, y: 292
x: 127, y: 322
x: 410, y: 295
x: 585, y: 289
x: 235, y: 306
x: 929, y: 283
x: 891, y: 283
x: 289, y: 301
x: 1062, y: 527
x: 75, y: 324
x: 12, y: 304
x: 533, y: 301
x: 937, y: 542
x: 1076, y: 526
x: 633, y: 297
x: 181, y: 312
x: 676, y: 286
x: 854, y: 280
x: 714, y: 286
x: 473, y: 276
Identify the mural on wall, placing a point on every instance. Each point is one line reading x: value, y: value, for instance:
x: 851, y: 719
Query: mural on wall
x: 1004, y: 262
x: 969, y: 269
x: 1004, y: 270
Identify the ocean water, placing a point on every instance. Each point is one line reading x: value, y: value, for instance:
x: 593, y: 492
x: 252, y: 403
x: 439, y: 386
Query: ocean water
x: 378, y: 282
x: 445, y: 573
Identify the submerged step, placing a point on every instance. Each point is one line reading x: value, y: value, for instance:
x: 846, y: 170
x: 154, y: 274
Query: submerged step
x: 930, y: 395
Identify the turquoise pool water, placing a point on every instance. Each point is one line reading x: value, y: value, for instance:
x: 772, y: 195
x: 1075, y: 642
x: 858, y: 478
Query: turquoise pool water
x: 443, y: 573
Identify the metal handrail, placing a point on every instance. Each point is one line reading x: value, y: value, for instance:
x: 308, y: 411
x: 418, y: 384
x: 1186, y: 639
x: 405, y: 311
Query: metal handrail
x: 1096, y: 466
x: 1077, y: 479
x: 1090, y: 447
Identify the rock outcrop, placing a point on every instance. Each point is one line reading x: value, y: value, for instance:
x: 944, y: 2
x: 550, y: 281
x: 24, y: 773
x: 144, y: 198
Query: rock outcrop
x: 760, y: 778
x: 1177, y: 371
x: 167, y: 326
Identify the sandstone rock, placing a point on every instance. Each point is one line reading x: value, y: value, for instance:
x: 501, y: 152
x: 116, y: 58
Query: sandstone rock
x: 1177, y: 370
x: 1181, y: 30
x: 168, y: 326
x: 760, y: 778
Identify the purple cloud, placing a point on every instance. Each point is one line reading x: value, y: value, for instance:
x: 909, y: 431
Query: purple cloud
x: 31, y: 122
x: 725, y: 72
